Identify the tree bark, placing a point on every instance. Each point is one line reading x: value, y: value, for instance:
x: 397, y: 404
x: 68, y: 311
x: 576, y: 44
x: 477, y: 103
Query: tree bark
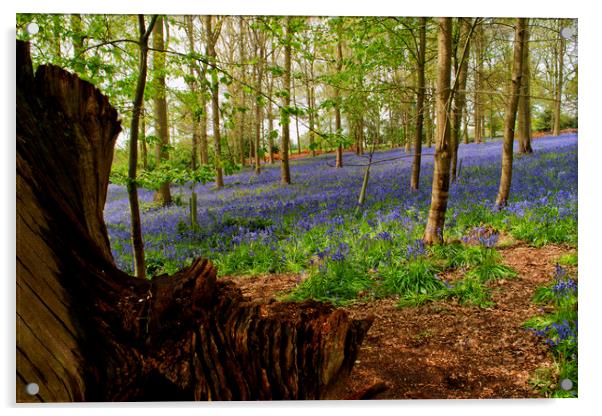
x: 337, y: 99
x: 271, y: 108
x: 311, y: 107
x: 212, y: 35
x: 243, y: 76
x: 143, y: 147
x: 195, y: 119
x: 510, y: 117
x: 465, y: 127
x: 460, y: 93
x: 298, y: 133
x: 559, y: 82
x: 419, y: 104
x: 285, y: 174
x: 163, y: 195
x: 132, y: 186
x: 429, y: 122
x: 88, y: 332
x: 478, y: 76
x: 433, y: 233
x: 258, y: 104
x: 524, y: 101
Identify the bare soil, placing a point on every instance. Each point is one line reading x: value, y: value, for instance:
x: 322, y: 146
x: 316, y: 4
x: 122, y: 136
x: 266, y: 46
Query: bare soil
x: 444, y: 350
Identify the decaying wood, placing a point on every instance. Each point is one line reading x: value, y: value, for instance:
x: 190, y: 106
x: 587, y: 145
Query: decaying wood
x: 89, y: 332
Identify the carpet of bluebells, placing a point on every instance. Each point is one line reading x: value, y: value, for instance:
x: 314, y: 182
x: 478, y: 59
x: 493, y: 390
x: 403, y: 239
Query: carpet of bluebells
x: 254, y: 225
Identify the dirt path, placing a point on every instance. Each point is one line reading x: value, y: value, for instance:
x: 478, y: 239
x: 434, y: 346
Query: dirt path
x: 442, y: 349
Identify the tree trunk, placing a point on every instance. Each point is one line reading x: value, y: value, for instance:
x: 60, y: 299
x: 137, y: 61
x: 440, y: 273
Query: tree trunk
x: 195, y: 119
x: 433, y: 233
x: 310, y: 117
x: 524, y: 101
x: 510, y: 117
x: 460, y: 93
x: 559, y: 82
x: 419, y: 105
x: 337, y: 99
x: 132, y: 186
x: 270, y: 109
x: 163, y: 195
x: 310, y: 110
x: 243, y: 76
x: 406, y: 136
x: 491, y: 122
x: 294, y: 91
x: 88, y: 332
x: 478, y: 77
x: 285, y: 174
x: 212, y: 35
x: 465, y: 127
x: 143, y: 147
x: 204, y: 146
x: 429, y: 122
x: 258, y: 105
x: 361, y: 135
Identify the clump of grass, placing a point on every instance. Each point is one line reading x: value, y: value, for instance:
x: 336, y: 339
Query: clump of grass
x: 492, y: 270
x: 543, y: 226
x: 336, y: 281
x: 569, y: 259
x: 483, y: 265
x: 458, y: 255
x: 414, y: 277
x: 251, y: 259
x: 468, y: 291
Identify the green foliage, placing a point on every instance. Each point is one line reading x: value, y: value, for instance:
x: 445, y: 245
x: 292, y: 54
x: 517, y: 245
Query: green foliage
x: 491, y: 270
x: 569, y: 259
x: 458, y: 255
x: 337, y: 281
x: 543, y: 120
x: 544, y: 226
x: 468, y: 291
x: 415, y: 277
x: 471, y: 291
x: 483, y: 265
x: 251, y: 259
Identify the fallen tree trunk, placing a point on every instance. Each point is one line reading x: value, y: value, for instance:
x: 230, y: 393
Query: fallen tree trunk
x: 88, y: 332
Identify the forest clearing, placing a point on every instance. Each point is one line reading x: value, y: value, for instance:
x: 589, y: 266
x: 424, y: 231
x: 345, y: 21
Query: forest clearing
x: 268, y: 208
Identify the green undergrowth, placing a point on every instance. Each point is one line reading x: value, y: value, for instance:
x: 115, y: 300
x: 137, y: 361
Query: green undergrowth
x: 479, y: 266
x: 558, y: 329
x: 414, y: 280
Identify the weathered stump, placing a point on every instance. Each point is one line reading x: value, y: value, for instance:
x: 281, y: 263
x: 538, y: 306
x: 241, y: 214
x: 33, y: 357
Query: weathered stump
x: 87, y: 331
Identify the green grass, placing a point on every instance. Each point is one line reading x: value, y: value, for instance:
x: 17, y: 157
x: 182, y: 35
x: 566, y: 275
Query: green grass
x: 483, y: 266
x: 569, y: 259
x: 458, y: 255
x: 338, y: 282
x: 542, y: 226
x: 469, y: 291
x: 491, y: 270
x: 415, y: 277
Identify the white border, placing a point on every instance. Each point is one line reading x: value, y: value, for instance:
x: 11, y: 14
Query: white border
x: 589, y: 186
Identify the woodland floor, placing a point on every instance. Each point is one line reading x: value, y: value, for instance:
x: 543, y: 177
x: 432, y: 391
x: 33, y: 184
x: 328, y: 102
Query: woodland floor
x: 443, y: 349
